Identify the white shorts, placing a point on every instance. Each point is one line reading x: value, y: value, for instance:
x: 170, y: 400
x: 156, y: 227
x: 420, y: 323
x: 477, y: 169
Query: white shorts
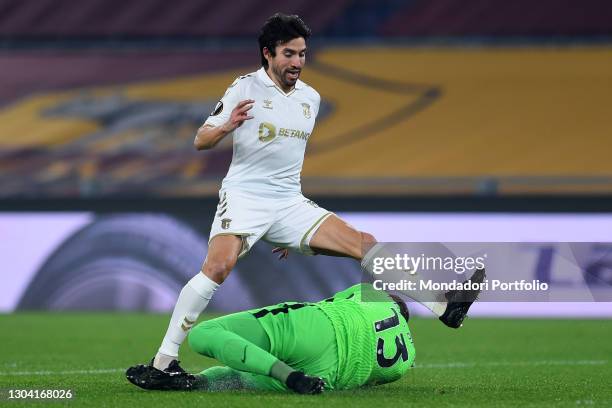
x: 283, y: 222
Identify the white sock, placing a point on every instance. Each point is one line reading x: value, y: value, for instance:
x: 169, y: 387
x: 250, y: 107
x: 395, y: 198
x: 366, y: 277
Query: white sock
x: 192, y: 300
x: 434, y: 301
x: 438, y: 308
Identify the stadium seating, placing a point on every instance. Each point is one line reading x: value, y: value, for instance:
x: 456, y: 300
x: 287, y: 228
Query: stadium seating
x: 501, y: 18
x: 120, y: 19
x: 392, y: 119
x: 153, y: 18
x: 111, y: 105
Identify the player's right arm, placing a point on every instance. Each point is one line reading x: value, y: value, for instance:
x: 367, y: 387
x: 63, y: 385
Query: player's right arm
x: 229, y: 114
x: 353, y: 293
x: 362, y: 292
x: 209, y: 135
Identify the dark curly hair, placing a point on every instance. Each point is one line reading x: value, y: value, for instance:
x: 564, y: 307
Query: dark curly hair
x: 280, y: 29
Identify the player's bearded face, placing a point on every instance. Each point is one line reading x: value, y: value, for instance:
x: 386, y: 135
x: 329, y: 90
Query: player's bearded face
x: 288, y: 62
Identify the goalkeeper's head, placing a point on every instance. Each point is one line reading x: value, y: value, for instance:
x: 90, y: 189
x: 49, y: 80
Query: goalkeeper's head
x: 402, y: 306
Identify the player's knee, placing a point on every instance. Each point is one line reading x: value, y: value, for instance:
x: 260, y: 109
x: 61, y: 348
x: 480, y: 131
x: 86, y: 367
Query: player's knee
x: 218, y: 269
x: 367, y: 242
x: 199, y: 338
x: 192, y: 340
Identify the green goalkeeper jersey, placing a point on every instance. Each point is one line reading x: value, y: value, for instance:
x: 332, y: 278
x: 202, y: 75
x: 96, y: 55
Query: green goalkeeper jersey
x: 373, y: 339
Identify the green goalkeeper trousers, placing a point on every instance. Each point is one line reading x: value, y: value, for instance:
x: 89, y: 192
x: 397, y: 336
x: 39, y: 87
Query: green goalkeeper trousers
x: 304, y: 339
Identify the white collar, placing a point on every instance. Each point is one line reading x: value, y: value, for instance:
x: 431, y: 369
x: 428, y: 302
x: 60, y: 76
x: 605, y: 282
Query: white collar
x: 263, y: 76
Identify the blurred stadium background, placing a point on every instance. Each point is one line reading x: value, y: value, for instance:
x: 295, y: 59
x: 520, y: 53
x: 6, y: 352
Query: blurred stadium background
x: 442, y: 120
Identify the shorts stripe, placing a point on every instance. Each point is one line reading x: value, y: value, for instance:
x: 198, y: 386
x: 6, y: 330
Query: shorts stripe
x: 312, y: 227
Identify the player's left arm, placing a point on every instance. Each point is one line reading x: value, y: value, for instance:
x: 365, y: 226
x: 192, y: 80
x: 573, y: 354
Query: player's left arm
x: 318, y: 105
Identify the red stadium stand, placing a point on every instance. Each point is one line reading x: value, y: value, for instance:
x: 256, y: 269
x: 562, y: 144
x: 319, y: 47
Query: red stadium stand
x: 67, y: 18
x: 501, y: 18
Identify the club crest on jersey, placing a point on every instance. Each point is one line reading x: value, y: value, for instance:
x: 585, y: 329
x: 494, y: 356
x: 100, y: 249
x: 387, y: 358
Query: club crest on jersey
x: 225, y: 223
x: 306, y: 110
x: 218, y: 109
x: 267, y: 104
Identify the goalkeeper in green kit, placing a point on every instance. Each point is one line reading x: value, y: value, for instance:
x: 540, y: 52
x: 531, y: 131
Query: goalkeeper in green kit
x: 358, y: 337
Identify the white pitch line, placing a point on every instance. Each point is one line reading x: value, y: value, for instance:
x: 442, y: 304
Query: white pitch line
x: 429, y: 365
x: 69, y: 372
x: 514, y: 364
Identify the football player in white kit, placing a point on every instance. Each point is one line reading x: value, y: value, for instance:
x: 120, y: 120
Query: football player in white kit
x: 270, y: 115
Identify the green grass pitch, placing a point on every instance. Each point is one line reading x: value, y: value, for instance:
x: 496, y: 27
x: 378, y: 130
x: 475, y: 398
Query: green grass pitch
x: 486, y: 363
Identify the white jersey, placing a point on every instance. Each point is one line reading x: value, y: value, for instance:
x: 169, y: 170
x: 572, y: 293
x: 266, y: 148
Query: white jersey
x: 268, y: 149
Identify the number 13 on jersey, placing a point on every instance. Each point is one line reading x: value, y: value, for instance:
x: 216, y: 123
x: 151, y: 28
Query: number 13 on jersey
x: 383, y: 342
